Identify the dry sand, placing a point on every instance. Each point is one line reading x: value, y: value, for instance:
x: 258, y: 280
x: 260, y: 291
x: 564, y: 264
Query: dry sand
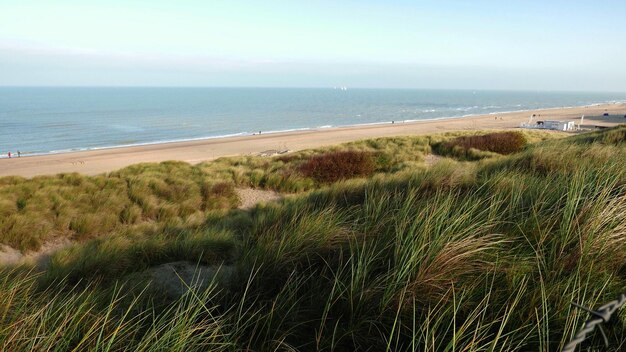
x: 100, y: 161
x: 432, y: 159
x: 40, y: 258
x: 249, y: 197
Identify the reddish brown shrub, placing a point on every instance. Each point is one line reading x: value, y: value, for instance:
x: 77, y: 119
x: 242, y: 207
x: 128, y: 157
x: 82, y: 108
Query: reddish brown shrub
x: 334, y: 166
x: 500, y: 142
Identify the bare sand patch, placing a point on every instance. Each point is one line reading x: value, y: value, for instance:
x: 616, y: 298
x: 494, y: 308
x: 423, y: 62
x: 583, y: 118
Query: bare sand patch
x: 432, y: 159
x: 9, y: 255
x: 40, y: 258
x: 250, y: 197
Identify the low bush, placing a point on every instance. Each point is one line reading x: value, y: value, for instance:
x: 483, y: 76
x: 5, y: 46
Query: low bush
x: 334, y: 166
x: 474, y: 147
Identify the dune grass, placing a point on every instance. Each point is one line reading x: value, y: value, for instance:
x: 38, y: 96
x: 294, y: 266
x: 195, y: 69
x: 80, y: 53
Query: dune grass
x: 82, y: 207
x: 483, y: 255
x: 34, y: 211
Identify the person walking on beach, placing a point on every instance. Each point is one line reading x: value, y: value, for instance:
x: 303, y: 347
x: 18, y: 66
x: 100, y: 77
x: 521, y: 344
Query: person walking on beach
x: 19, y: 155
x: 9, y: 154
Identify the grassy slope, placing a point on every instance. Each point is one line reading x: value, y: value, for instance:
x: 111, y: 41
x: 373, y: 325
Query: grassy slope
x: 463, y: 255
x: 150, y: 197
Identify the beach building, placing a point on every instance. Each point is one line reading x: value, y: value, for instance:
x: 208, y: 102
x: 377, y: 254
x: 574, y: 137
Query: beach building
x: 559, y: 125
x: 551, y: 125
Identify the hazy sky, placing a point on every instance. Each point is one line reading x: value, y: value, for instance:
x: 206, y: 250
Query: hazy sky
x: 538, y: 45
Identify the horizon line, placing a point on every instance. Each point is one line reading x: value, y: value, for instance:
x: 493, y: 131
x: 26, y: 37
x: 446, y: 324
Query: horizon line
x: 317, y: 87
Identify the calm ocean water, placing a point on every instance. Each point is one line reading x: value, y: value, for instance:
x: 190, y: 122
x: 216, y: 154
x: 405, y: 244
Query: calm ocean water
x: 45, y: 120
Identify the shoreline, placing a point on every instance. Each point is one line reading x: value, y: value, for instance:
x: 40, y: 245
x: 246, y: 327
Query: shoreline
x: 105, y: 159
x: 246, y: 134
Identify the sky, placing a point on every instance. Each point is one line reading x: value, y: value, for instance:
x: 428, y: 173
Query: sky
x: 455, y: 44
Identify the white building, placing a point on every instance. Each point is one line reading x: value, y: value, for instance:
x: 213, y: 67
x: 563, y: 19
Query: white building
x: 552, y: 125
x: 558, y: 125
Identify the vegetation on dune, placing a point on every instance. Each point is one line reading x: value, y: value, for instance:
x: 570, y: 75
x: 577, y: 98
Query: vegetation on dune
x: 483, y: 255
x: 613, y: 136
x: 83, y: 207
x: 338, y: 165
x: 481, y: 146
x: 171, y: 193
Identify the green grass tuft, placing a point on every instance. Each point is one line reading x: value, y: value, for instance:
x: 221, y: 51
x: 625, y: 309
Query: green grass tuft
x: 483, y: 255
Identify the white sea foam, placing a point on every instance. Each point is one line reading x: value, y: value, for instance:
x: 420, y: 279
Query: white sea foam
x: 67, y: 126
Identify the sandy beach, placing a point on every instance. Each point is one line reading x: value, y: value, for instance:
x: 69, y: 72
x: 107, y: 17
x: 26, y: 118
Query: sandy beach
x: 105, y: 160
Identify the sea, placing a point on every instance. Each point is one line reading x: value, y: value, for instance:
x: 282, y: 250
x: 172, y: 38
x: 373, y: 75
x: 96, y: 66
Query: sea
x: 38, y: 120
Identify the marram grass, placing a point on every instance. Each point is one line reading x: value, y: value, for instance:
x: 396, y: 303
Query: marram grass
x: 461, y: 256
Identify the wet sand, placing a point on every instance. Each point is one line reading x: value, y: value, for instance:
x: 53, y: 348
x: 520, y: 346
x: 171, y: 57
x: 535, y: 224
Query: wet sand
x: 101, y: 161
